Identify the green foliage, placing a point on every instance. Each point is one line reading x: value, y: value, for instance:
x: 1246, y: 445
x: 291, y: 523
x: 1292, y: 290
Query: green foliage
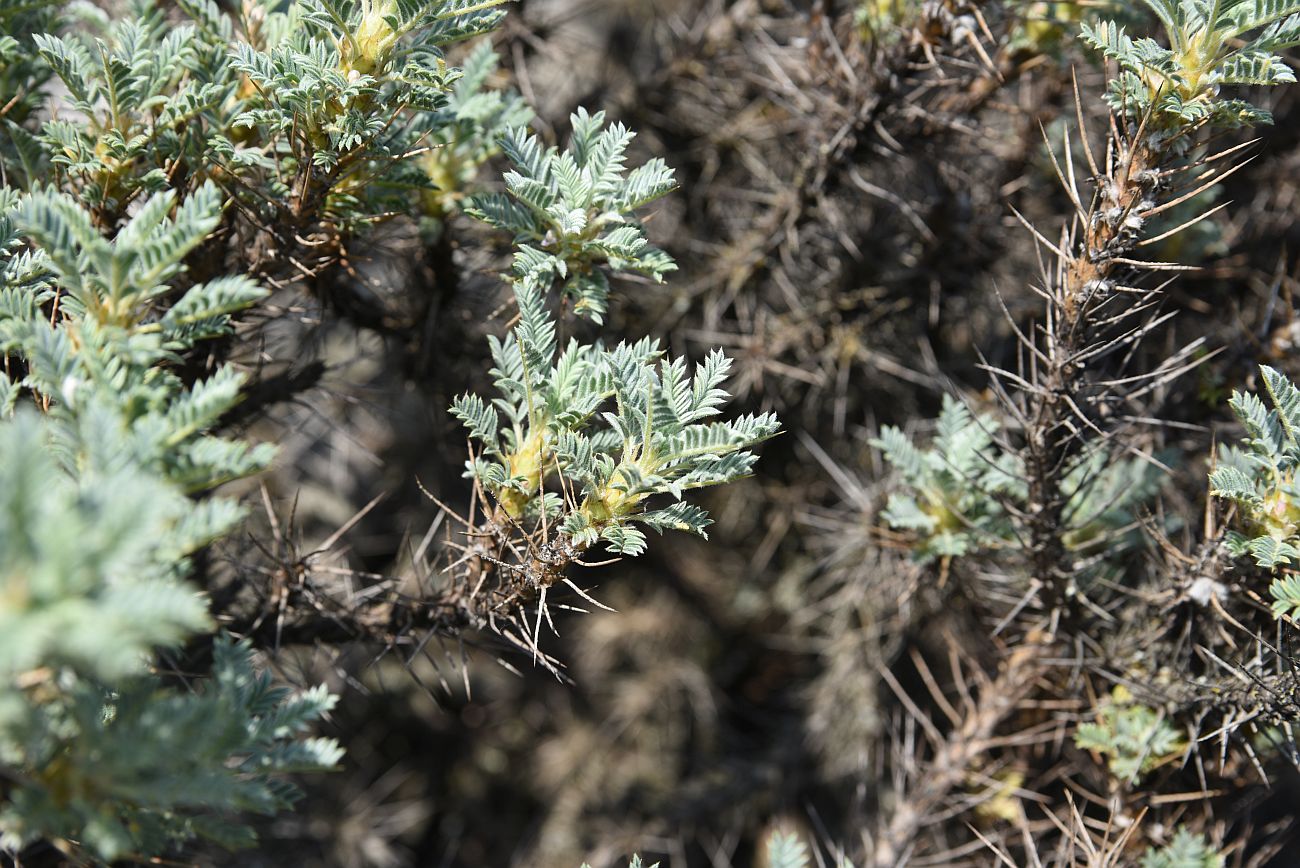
x: 97, y: 525
x: 112, y: 339
x: 138, y: 768
x: 1134, y: 738
x: 91, y: 576
x: 23, y: 77
x: 786, y: 850
x: 317, y: 109
x: 548, y: 423
x: 1186, y: 850
x: 1285, y: 592
x: 571, y: 211
x: 959, y: 489
x: 141, y: 88
x: 340, y: 101
x: 954, y: 505
x: 468, y: 132
x: 98, y: 749
x: 1211, y: 43
x: 1259, y: 476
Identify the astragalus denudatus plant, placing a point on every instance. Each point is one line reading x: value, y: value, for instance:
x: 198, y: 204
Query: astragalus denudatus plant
x: 166, y: 169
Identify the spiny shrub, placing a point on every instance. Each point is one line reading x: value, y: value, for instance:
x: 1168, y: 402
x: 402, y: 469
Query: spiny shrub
x: 1050, y: 498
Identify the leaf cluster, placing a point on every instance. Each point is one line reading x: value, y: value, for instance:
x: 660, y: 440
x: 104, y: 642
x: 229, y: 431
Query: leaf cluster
x: 1134, y: 738
x: 317, y: 109
x: 335, y: 85
x: 1211, y: 44
x: 612, y: 427
x: 953, y: 505
x: 468, y: 131
x: 138, y: 768
x: 1259, y: 476
x: 786, y: 850
x: 1186, y: 850
x: 140, y: 90
x: 114, y: 334
x: 97, y: 525
x: 571, y: 211
x: 958, y: 490
x: 23, y: 75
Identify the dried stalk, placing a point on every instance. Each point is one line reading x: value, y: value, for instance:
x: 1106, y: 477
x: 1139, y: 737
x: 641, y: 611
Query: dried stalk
x: 957, y: 754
